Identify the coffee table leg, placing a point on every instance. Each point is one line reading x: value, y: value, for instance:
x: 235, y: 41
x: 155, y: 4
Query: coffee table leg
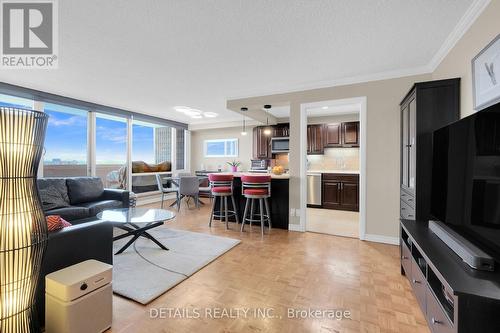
x: 130, y: 242
x: 148, y: 236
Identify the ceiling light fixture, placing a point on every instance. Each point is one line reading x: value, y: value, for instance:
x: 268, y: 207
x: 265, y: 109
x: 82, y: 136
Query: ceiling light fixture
x: 210, y: 114
x: 244, y: 130
x: 195, y: 113
x: 181, y: 108
x: 267, y: 130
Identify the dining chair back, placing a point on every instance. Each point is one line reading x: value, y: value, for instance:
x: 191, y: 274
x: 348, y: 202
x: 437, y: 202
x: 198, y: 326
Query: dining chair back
x: 189, y: 187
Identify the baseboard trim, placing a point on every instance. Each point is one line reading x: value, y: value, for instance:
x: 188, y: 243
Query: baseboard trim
x: 382, y: 239
x: 296, y: 227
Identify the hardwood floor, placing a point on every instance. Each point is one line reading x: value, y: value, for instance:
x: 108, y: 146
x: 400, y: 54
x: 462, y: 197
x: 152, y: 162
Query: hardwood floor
x: 283, y: 270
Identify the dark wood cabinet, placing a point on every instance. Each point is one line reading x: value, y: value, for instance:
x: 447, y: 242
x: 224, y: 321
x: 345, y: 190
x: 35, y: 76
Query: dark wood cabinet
x: 340, y: 191
x: 261, y: 143
x: 281, y: 131
x: 342, y: 134
x: 427, y: 107
x: 315, y: 139
x: 453, y: 298
x: 333, y: 135
x: 350, y: 134
x: 331, y: 194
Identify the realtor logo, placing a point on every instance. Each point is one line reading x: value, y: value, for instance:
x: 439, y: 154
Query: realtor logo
x: 29, y: 34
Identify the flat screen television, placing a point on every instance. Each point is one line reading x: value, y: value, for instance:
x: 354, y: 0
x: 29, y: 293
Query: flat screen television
x: 466, y: 178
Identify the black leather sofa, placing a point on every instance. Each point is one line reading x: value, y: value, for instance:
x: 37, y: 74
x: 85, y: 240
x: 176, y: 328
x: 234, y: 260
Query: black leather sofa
x: 87, y: 237
x: 77, y: 198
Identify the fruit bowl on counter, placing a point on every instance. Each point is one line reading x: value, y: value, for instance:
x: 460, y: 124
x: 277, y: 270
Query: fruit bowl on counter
x: 278, y: 170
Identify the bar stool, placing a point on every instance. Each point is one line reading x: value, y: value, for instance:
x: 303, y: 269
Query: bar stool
x: 222, y: 187
x: 256, y: 188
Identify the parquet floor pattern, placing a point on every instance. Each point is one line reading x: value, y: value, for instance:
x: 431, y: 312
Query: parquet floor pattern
x: 280, y: 271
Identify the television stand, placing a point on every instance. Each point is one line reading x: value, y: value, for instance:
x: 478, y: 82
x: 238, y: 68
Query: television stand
x: 452, y: 296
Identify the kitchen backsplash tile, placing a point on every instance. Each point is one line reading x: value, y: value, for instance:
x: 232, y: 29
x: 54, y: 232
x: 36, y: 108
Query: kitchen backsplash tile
x: 335, y: 159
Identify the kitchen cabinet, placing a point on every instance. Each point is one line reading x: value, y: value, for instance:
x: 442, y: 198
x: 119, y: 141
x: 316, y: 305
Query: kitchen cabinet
x: 350, y: 134
x: 342, y: 134
x: 333, y: 135
x: 281, y: 131
x: 261, y: 143
x: 340, y: 191
x: 315, y: 139
x: 427, y: 107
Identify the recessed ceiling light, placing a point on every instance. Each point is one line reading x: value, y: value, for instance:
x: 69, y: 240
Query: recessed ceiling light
x: 210, y: 114
x: 196, y: 116
x: 192, y: 113
x: 181, y: 108
x: 325, y: 107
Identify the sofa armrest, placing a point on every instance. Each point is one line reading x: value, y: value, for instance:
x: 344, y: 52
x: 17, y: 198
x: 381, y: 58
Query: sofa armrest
x: 115, y: 194
x: 71, y: 245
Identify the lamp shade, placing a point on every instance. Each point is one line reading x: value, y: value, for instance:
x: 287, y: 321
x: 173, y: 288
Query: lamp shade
x: 23, y: 231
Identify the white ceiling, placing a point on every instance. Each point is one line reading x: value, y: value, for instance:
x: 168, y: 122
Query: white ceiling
x: 149, y: 56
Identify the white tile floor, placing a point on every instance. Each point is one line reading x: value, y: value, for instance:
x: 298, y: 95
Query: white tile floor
x: 333, y: 222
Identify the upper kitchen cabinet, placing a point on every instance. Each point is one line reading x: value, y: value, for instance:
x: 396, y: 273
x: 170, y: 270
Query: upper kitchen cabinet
x: 315, y: 139
x: 427, y: 107
x: 333, y: 135
x: 342, y: 134
x: 281, y: 131
x: 261, y: 143
x: 350, y: 134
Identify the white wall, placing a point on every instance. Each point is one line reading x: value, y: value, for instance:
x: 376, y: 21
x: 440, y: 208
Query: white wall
x: 212, y: 163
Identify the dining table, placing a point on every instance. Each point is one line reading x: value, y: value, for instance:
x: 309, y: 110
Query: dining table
x: 175, y: 181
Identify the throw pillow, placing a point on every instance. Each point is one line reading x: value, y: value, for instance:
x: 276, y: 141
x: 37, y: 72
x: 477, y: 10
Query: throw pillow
x: 55, y: 222
x: 51, y: 198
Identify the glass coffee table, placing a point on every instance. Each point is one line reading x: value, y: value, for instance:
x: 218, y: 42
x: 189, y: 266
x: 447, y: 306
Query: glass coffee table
x: 136, y: 222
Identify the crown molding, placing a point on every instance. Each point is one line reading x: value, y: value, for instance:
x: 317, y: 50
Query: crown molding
x: 470, y: 16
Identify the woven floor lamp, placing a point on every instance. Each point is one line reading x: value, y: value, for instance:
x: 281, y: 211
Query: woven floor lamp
x: 23, y: 231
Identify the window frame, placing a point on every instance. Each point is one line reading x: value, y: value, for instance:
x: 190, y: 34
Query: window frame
x: 225, y: 141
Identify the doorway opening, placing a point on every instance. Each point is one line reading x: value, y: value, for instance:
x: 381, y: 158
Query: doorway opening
x: 333, y: 183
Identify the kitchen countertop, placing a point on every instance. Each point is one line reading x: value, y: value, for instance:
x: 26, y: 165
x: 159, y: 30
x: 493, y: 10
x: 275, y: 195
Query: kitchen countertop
x: 273, y: 176
x: 355, y: 172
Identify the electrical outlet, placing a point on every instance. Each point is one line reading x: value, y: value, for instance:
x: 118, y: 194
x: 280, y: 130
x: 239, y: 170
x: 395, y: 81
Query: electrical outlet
x: 292, y: 212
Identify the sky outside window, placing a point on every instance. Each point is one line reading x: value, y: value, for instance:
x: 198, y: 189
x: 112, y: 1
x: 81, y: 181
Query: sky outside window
x: 66, y: 137
x: 111, y: 140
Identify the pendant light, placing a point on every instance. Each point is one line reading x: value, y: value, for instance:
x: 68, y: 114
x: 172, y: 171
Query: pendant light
x: 244, y: 130
x: 267, y: 130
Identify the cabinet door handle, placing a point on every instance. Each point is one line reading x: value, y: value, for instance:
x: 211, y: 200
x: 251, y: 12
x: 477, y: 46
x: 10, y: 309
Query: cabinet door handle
x: 404, y: 257
x: 435, y: 321
x: 415, y: 281
x: 402, y: 208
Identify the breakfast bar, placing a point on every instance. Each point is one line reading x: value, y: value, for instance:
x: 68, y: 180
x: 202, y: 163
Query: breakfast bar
x: 278, y: 202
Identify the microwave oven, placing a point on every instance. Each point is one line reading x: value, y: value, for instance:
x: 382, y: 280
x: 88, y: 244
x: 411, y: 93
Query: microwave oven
x: 280, y: 145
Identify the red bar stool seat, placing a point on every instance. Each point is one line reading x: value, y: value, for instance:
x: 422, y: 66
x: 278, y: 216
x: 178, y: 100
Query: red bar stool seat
x: 222, y: 188
x: 255, y: 191
x: 256, y: 188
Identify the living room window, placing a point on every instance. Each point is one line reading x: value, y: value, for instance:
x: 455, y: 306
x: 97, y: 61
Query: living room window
x: 15, y: 102
x: 111, y: 150
x: 85, y: 139
x: 65, y: 141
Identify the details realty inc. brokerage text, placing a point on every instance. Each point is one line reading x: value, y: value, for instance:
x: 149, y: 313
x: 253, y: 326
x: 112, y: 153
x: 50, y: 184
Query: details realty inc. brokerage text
x: 243, y: 312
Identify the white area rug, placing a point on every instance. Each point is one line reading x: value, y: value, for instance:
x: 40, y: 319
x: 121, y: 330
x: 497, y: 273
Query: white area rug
x: 144, y: 271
